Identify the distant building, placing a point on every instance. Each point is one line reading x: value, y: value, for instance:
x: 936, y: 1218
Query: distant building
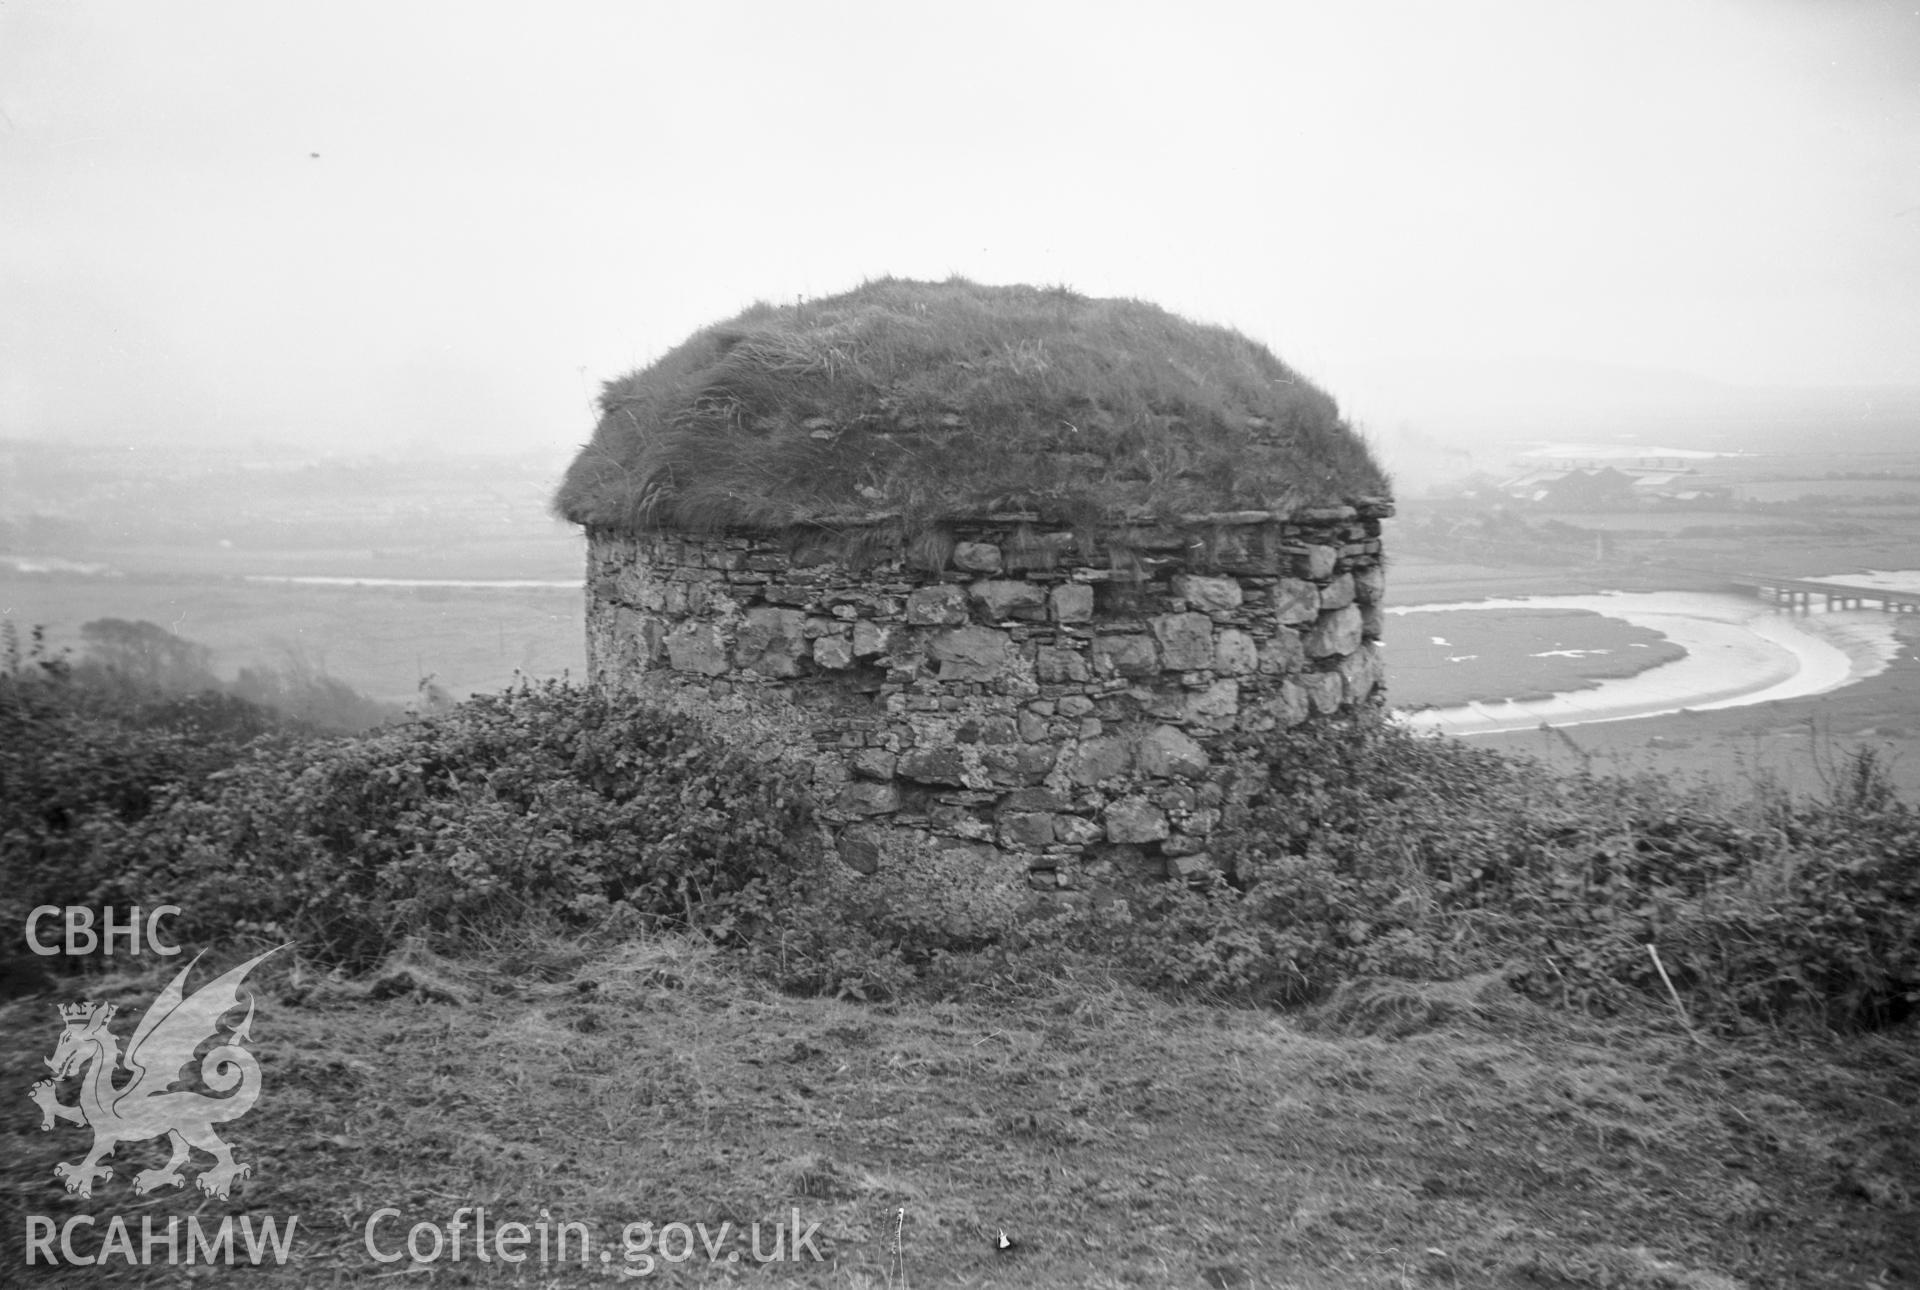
x: 1603, y: 488
x: 1677, y: 487
x: 1589, y: 488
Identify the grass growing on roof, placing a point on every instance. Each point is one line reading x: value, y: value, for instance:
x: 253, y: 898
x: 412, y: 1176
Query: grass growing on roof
x: 920, y: 402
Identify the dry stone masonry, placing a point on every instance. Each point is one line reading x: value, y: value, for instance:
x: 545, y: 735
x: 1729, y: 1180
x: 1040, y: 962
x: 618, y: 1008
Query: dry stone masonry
x: 1006, y: 689
x: 1021, y: 573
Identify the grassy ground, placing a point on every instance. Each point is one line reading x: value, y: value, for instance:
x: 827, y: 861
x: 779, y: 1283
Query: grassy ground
x: 1459, y: 1137
x: 1443, y: 659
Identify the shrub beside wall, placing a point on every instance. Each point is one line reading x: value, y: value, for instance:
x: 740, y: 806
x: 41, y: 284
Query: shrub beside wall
x: 539, y: 803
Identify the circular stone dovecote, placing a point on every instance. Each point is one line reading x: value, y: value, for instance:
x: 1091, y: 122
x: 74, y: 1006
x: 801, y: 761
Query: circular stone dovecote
x: 1043, y: 663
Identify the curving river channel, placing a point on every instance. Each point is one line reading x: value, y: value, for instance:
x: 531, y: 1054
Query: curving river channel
x: 1739, y: 650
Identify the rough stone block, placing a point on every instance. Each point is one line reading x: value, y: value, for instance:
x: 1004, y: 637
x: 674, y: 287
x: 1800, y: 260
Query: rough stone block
x: 1316, y: 562
x: 870, y: 639
x: 941, y: 606
x: 1075, y: 830
x: 1181, y: 844
x: 1130, y: 861
x: 1324, y: 690
x: 1174, y: 797
x: 771, y: 641
x: 874, y: 763
x: 1186, y: 641
x: 1370, y: 584
x: 1362, y: 673
x: 833, y: 651
x: 643, y: 637
x: 1026, y: 830
x: 1234, y: 653
x: 976, y: 557
x: 1295, y: 602
x: 1107, y: 757
x: 1134, y: 820
x: 1072, y: 602
x: 1190, y: 867
x: 631, y: 586
x: 961, y: 822
x: 860, y: 852
x: 1338, y: 593
x: 999, y: 730
x: 1002, y: 766
x: 1373, y: 623
x: 1216, y: 706
x: 865, y: 798
x: 1061, y: 666
x: 1168, y: 751
x: 1161, y: 705
x: 1283, y: 654
x: 1002, y: 598
x: 1337, y: 632
x: 970, y: 653
x: 698, y: 648
x: 1033, y: 799
x: 1128, y: 655
x: 933, y: 766
x: 1290, y: 705
x: 1041, y: 551
x: 1208, y: 595
x: 1034, y: 762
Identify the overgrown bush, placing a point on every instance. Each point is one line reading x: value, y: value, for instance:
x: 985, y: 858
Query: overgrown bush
x: 1373, y: 851
x: 1365, y: 850
x: 83, y: 765
x: 547, y: 800
x: 875, y: 936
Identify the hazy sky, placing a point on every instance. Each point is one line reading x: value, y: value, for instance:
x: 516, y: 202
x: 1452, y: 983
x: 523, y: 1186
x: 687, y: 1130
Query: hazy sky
x: 362, y: 224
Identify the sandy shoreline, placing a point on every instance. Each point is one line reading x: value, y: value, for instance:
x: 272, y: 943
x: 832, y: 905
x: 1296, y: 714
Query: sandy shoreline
x: 1798, y: 744
x: 1739, y: 652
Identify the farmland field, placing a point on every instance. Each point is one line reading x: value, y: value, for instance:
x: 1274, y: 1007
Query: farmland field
x: 381, y: 640
x: 192, y: 543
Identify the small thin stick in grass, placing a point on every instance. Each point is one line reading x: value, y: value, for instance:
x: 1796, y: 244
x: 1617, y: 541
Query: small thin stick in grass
x: 1674, y: 994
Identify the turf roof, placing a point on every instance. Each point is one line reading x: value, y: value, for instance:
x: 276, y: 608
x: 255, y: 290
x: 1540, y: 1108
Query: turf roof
x: 924, y: 402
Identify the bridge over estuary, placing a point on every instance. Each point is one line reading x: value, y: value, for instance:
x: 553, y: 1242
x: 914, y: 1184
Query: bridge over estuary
x: 1799, y: 593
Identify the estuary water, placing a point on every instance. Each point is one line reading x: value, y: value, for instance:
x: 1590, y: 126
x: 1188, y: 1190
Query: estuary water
x: 1740, y: 650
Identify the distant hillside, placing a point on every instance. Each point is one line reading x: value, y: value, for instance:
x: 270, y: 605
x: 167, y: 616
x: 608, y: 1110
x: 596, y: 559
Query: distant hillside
x: 1549, y: 398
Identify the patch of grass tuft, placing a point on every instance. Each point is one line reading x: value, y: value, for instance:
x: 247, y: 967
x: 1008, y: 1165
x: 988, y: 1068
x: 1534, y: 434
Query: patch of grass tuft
x: 912, y: 403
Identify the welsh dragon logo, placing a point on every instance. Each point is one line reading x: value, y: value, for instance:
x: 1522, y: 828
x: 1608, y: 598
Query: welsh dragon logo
x: 147, y: 1106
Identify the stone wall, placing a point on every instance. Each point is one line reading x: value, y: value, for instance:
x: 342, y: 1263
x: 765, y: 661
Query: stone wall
x: 1004, y: 689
